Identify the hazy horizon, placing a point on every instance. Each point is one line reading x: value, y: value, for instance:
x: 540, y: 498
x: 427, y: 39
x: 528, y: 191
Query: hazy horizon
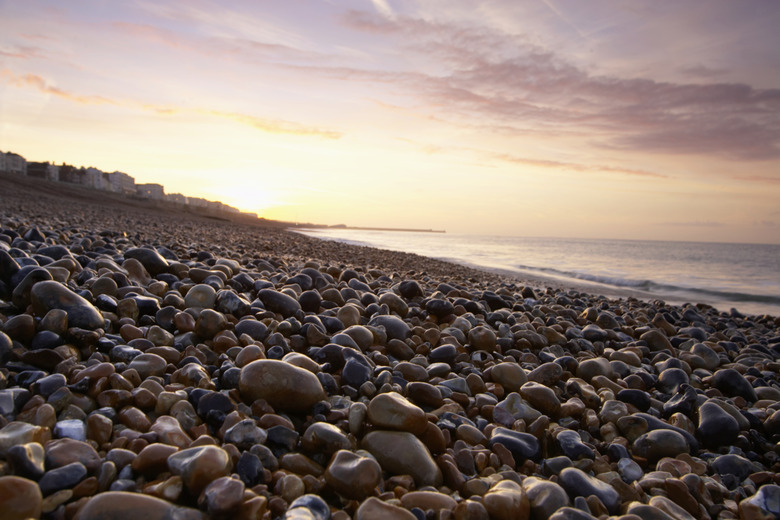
x: 552, y: 118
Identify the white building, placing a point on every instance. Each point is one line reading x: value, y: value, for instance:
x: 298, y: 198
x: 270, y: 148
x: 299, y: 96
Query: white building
x: 121, y: 183
x: 13, y: 163
x: 150, y: 191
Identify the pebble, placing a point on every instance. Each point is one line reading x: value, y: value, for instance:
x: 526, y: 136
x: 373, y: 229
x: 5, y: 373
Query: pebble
x: 284, y: 386
x: 48, y: 295
x: 353, y: 475
x: 240, y: 372
x: 401, y: 453
x: 20, y: 498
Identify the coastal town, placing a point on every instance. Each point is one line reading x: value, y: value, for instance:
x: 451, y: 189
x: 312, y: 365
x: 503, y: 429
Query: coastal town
x: 115, y: 182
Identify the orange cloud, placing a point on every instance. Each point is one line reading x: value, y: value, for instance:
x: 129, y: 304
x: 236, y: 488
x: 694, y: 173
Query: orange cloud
x: 272, y: 126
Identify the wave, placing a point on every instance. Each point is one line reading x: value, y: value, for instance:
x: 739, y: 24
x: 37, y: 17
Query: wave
x: 654, y: 287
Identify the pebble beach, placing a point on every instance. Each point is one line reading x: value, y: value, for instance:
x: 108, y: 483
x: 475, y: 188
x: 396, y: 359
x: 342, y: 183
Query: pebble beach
x: 158, y: 364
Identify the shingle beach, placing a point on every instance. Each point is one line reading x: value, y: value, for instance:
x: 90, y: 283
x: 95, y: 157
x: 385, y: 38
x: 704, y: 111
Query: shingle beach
x: 157, y: 364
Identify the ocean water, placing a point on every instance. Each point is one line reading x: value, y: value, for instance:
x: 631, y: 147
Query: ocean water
x: 726, y: 276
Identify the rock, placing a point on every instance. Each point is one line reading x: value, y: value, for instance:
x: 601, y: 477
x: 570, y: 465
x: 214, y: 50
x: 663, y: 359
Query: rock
x: 482, y: 338
x: 394, y: 326
x: 283, y: 386
x: 308, y: 507
x: 63, y: 477
x: 201, y: 296
x: 245, y: 434
x: 764, y: 504
x: 392, y: 411
x: 169, y: 431
x: 511, y: 376
x: 324, y: 438
x: 577, y: 483
x: 428, y: 501
x: 732, y: 384
x: 149, y: 258
x: 656, y: 340
x: 401, y: 453
x: 657, y: 444
x: 48, y: 295
x: 374, y: 509
x: 20, y: 498
x: 541, y: 397
x: 506, y: 501
x: 572, y: 513
x: 439, y: 307
x: 545, y: 497
x: 591, y: 368
x: 353, y: 475
x: 732, y: 464
x: 222, y: 498
x: 27, y: 460
x: 61, y: 452
x: 121, y: 505
x: 279, y: 302
x: 199, y: 466
x: 572, y: 446
x: 523, y: 446
x: 716, y: 426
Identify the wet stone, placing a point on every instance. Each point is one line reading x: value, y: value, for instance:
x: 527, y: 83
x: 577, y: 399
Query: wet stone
x: 353, y: 475
x: 48, y: 295
x: 20, y: 498
x: 523, y: 446
x: 283, y: 386
x: 579, y: 484
x: 63, y: 477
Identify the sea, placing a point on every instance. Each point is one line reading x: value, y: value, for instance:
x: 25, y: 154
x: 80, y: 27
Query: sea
x: 745, y: 277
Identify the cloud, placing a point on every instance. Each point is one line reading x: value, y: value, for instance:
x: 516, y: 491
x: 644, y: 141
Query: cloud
x: 505, y: 82
x: 383, y: 8
x: 272, y: 126
x: 276, y: 126
x: 23, y: 52
x: 544, y: 163
x: 758, y: 178
x: 695, y: 223
x: 40, y: 84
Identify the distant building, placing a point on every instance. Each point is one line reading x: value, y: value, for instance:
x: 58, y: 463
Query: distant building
x: 150, y: 191
x: 197, y: 202
x: 38, y: 170
x: 177, y: 198
x: 13, y: 163
x: 121, y: 183
x: 94, y: 178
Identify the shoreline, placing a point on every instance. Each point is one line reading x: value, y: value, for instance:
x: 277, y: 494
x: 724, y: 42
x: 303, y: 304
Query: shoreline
x: 199, y: 368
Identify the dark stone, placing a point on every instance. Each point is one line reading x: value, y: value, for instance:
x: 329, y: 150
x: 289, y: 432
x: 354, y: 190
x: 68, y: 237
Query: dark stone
x: 394, y: 326
x: 732, y: 384
x: 310, y: 301
x: 355, y: 373
x: 670, y: 380
x: 733, y: 464
x: 255, y: 329
x: 410, y: 289
x: 27, y: 460
x: 522, y: 445
x: 572, y: 446
x: 318, y: 509
x: 281, y: 440
x: 250, y: 469
x: 439, y: 307
x: 577, y: 483
x: 638, y: 398
x: 21, y: 294
x: 152, y: 261
x: 716, y: 426
x: 48, y: 295
x: 684, y: 401
x: 279, y: 302
x: 64, y: 477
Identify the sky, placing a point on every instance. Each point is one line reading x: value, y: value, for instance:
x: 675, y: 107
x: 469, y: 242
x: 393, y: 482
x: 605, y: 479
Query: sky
x: 599, y: 119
